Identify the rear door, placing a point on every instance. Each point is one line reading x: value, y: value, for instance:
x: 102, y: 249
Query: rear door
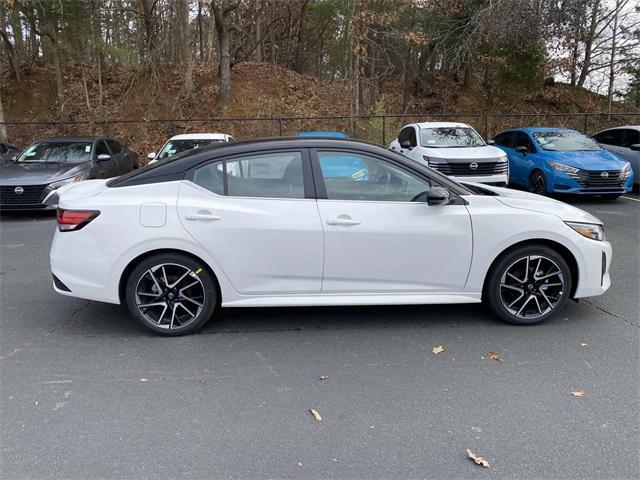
x: 380, y: 234
x: 257, y: 217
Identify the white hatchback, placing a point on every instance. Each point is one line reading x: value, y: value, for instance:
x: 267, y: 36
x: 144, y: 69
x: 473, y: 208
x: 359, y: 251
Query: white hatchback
x: 454, y: 149
x: 294, y: 222
x: 187, y: 141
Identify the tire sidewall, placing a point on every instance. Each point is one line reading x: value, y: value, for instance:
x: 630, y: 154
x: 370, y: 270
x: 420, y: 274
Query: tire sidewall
x: 492, y: 288
x: 532, y: 184
x: 210, y: 287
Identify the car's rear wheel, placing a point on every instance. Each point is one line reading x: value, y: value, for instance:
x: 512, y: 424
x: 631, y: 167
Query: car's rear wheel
x: 171, y: 294
x: 528, y: 285
x: 537, y: 183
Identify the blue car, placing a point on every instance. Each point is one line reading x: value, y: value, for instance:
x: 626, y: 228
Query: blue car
x: 560, y: 160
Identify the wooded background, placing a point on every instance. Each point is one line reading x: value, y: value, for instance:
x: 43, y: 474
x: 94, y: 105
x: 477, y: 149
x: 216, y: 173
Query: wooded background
x: 376, y: 56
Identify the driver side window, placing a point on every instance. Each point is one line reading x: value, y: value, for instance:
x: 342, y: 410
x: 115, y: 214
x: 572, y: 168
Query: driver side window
x: 101, y: 149
x: 353, y: 176
x: 408, y: 134
x: 523, y: 140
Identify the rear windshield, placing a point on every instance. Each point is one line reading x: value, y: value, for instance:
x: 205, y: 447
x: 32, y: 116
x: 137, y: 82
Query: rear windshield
x: 172, y: 147
x: 565, y: 141
x: 450, y: 137
x: 57, y: 152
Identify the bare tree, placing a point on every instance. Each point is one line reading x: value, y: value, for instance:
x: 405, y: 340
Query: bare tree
x: 221, y: 11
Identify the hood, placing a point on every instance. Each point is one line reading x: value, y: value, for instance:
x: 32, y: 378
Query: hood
x: 596, y: 160
x: 538, y: 203
x: 487, y: 153
x: 12, y: 173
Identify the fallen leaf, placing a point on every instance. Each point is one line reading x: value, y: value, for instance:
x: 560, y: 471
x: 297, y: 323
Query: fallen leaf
x: 494, y: 356
x: 583, y: 344
x: 315, y: 414
x: 578, y: 393
x: 203, y: 381
x: 437, y: 350
x: 144, y: 380
x: 477, y: 459
x: 323, y: 377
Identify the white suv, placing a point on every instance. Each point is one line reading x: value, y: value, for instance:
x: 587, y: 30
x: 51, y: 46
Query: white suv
x: 454, y: 149
x: 187, y: 141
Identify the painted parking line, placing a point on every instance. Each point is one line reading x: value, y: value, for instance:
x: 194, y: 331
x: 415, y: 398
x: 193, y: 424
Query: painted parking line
x: 632, y: 199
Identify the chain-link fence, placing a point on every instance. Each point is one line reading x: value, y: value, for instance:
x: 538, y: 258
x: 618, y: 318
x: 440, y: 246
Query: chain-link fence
x: 144, y: 136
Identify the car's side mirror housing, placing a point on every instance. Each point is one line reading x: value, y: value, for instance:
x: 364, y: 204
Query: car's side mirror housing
x: 438, y: 196
x: 406, y: 144
x: 522, y: 149
x: 151, y: 156
x: 14, y: 158
x: 491, y: 141
x: 103, y: 157
x: 636, y: 147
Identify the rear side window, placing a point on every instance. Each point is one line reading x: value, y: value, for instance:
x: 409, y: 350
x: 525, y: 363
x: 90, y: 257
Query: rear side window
x: 408, y: 134
x: 272, y: 175
x: 631, y: 138
x: 610, y: 137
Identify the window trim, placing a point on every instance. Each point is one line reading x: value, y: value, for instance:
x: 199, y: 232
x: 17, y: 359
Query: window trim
x: 307, y: 176
x: 321, y: 189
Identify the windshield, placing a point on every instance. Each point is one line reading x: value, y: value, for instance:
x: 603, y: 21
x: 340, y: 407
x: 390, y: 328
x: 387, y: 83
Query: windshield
x: 565, y: 141
x: 178, y: 146
x: 450, y: 137
x: 57, y: 152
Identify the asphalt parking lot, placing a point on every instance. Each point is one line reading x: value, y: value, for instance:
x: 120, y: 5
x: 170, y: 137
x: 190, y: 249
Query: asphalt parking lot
x: 85, y: 393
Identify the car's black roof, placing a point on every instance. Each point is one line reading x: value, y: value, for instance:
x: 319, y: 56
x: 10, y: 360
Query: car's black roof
x: 174, y: 168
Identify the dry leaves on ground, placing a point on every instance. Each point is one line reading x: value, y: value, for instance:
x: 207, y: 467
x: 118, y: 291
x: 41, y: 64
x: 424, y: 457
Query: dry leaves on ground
x: 477, y: 459
x: 315, y: 414
x: 494, y: 356
x: 578, y: 393
x: 437, y: 350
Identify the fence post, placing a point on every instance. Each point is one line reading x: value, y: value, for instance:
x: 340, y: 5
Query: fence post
x: 384, y: 130
x: 586, y: 120
x: 279, y: 127
x: 486, y: 125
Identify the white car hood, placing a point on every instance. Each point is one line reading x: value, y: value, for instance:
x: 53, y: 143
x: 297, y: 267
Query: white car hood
x: 538, y: 203
x: 487, y: 153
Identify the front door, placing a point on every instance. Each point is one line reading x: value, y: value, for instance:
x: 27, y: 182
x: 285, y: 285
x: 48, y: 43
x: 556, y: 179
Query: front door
x: 380, y: 234
x: 255, y: 218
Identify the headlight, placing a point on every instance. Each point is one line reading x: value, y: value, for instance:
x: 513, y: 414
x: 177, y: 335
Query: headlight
x: 501, y: 159
x: 564, y: 168
x: 59, y: 183
x: 626, y: 171
x: 589, y: 230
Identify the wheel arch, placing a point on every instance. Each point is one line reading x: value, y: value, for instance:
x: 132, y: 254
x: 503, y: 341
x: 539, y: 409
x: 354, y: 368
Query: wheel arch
x: 562, y: 250
x: 122, y: 283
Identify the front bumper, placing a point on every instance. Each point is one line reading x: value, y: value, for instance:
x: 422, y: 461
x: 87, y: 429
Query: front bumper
x: 593, y: 268
x: 588, y: 183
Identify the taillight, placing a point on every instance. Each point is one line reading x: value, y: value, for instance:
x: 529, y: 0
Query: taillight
x: 75, y: 219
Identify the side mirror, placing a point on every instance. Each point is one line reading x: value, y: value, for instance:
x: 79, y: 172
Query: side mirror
x: 438, y: 196
x: 406, y: 144
x: 635, y: 147
x: 103, y: 157
x: 491, y: 141
x: 151, y: 156
x: 14, y: 158
x: 522, y: 149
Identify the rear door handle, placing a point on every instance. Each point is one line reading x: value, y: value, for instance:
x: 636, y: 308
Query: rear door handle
x: 342, y: 220
x: 206, y: 216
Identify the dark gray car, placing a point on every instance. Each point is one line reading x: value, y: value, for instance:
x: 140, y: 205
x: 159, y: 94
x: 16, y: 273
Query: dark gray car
x: 52, y: 162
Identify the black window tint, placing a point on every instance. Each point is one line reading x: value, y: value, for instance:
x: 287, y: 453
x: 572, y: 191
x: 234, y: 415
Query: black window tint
x: 631, y: 138
x: 101, y: 149
x: 211, y: 177
x: 505, y: 139
x: 408, y: 134
x: 3, y: 149
x: 523, y: 140
x: 610, y: 137
x: 274, y: 175
x: 114, y: 146
x: 353, y: 176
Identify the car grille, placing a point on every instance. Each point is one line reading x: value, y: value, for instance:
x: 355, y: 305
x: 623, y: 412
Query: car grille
x: 595, y: 180
x: 32, y: 195
x: 462, y: 169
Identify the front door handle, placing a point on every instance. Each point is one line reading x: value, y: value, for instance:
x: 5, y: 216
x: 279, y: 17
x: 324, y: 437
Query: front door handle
x: 343, y: 220
x: 202, y: 215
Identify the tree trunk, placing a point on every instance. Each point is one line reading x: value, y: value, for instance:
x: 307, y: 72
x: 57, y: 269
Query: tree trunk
x: 588, y: 44
x: 200, y: 37
x: 3, y: 127
x: 612, y: 66
x: 220, y: 14
x: 50, y: 35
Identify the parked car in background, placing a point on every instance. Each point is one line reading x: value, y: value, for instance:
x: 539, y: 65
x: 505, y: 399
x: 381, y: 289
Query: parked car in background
x: 187, y: 141
x: 560, y: 160
x: 260, y: 223
x: 53, y: 162
x: 624, y: 142
x: 454, y: 149
x: 323, y: 134
x: 8, y: 152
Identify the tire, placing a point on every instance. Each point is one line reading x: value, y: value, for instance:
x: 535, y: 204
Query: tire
x: 537, y: 183
x: 507, y: 280
x: 180, y: 293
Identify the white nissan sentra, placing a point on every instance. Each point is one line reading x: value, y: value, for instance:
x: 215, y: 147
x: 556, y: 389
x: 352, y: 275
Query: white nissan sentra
x: 301, y: 221
x: 454, y: 149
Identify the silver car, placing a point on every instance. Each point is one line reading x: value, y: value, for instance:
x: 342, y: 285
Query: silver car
x: 624, y: 142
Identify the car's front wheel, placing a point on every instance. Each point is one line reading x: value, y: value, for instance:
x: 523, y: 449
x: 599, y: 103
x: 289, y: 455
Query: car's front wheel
x: 528, y: 285
x: 537, y: 183
x: 171, y: 294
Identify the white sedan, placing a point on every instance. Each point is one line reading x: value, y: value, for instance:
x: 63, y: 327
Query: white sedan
x: 454, y: 149
x: 293, y: 222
